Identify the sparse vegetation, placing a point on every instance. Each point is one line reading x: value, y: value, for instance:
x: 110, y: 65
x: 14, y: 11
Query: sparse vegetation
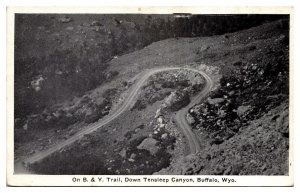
x: 171, y: 87
x: 88, y: 156
x: 72, y: 56
x: 240, y: 123
x: 254, y: 88
x: 79, y: 58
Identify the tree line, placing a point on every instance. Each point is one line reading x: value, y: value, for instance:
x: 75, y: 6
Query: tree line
x: 72, y: 72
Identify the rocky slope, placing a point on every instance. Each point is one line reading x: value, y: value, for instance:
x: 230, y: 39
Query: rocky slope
x: 261, y: 148
x: 242, y: 126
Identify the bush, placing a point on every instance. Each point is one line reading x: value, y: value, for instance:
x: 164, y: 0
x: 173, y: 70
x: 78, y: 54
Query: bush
x: 139, y: 105
x: 109, y: 94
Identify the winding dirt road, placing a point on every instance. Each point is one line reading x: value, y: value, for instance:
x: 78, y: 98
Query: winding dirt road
x: 129, y: 101
x: 180, y: 116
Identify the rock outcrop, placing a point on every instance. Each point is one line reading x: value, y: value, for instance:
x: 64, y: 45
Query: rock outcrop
x: 149, y: 144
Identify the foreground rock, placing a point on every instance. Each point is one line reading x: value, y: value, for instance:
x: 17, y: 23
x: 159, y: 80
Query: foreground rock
x: 176, y: 100
x: 261, y: 148
x: 150, y: 145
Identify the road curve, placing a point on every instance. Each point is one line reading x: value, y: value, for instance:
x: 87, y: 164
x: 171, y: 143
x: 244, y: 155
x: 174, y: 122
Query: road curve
x: 180, y: 115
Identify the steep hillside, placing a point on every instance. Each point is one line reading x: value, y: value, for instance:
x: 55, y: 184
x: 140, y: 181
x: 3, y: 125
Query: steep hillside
x: 243, y: 127
x: 66, y: 55
x: 242, y: 120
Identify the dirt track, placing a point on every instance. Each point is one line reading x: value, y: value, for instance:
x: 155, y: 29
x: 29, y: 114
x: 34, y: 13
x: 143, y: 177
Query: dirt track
x: 129, y: 101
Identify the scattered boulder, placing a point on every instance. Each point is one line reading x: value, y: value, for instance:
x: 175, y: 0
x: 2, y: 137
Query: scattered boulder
x: 242, y: 110
x: 64, y: 19
x: 190, y: 119
x: 150, y: 145
x: 111, y: 74
x: 132, y: 157
x: 160, y: 120
x: 37, y: 83
x: 215, y: 101
x: 176, y: 100
x: 96, y: 23
x: 25, y: 127
x: 123, y: 153
x: 164, y: 136
x: 231, y: 93
x: 161, y: 126
x: 137, y: 130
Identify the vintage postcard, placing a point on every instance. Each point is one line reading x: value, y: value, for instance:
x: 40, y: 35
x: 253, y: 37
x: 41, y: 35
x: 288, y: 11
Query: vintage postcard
x: 150, y: 96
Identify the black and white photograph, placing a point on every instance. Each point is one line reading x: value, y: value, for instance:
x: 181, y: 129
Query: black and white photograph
x: 184, y: 94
